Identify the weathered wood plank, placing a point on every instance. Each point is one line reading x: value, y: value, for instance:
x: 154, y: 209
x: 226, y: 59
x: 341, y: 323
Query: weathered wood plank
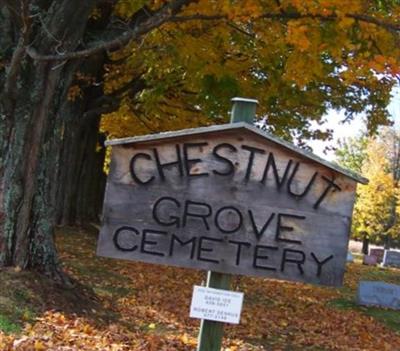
x: 212, y: 208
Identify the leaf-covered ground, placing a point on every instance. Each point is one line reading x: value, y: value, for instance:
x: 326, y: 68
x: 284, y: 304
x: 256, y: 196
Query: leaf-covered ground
x: 119, y: 305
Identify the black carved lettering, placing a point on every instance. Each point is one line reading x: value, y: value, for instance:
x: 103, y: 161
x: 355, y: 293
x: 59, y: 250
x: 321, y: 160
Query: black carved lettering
x: 306, y: 189
x: 117, y: 240
x: 258, y: 256
x: 331, y: 185
x: 189, y: 162
x: 253, y: 151
x: 205, y: 208
x: 229, y: 164
x: 191, y: 241
x: 299, y: 261
x: 202, y: 249
x: 230, y: 211
x: 133, y: 171
x: 271, y: 164
x: 146, y: 242
x: 173, y: 220
x: 162, y: 166
x: 239, y: 245
x: 320, y: 263
x: 259, y: 233
x: 280, y: 227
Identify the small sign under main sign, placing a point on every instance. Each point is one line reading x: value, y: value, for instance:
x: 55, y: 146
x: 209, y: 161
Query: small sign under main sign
x: 216, y: 305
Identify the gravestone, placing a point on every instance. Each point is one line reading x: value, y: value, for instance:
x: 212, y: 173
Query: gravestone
x: 229, y: 199
x: 391, y: 259
x: 374, y: 293
x: 370, y: 260
x: 378, y: 253
x: 350, y: 257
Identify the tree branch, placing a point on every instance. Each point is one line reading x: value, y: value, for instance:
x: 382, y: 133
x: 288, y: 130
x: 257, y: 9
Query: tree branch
x: 395, y: 28
x: 240, y: 30
x: 18, y: 55
x: 391, y: 27
x: 160, y: 17
x: 168, y: 14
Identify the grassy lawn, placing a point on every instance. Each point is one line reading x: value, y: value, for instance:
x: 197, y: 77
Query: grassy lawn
x: 118, y: 305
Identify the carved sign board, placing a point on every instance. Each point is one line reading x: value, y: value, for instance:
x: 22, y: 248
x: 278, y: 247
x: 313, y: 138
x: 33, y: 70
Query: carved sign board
x: 379, y: 294
x: 230, y: 199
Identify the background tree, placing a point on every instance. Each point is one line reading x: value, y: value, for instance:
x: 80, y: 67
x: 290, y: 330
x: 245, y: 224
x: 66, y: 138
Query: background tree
x: 372, y: 211
x: 375, y: 217
x: 169, y: 64
x: 351, y: 153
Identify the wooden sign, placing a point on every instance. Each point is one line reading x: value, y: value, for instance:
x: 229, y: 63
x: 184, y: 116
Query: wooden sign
x: 229, y: 199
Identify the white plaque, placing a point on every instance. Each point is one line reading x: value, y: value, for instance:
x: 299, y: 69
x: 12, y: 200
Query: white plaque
x: 216, y: 305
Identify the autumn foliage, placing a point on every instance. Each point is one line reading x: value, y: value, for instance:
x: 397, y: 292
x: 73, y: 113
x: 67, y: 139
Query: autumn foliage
x: 142, y: 307
x: 298, y: 58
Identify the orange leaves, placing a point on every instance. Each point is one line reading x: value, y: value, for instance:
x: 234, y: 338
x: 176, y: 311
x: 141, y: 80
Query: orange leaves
x: 74, y: 92
x: 384, y: 64
x: 39, y: 346
x: 297, y: 35
x: 284, y: 52
x: 149, y: 307
x: 55, y: 331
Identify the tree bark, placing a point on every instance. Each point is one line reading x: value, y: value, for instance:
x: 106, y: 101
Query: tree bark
x: 81, y: 187
x: 30, y: 159
x: 365, y: 245
x: 82, y: 180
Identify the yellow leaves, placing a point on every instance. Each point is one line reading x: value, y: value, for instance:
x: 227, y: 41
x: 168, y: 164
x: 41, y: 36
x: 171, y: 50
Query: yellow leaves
x: 74, y: 92
x: 302, y: 69
x: 243, y: 10
x: 188, y: 340
x: 346, y: 22
x: 80, y: 80
x: 373, y: 208
x: 321, y: 46
x: 297, y: 35
x: 126, y: 8
x: 39, y: 346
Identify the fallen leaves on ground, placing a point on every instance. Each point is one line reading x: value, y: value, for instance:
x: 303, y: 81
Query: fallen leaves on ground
x: 149, y: 311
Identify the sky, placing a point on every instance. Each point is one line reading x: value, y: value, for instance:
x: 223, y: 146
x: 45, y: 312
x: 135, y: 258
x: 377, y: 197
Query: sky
x: 345, y: 130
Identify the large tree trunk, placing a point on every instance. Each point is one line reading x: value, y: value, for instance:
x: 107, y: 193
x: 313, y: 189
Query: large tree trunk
x: 82, y: 180
x: 365, y: 244
x: 81, y: 188
x: 33, y: 136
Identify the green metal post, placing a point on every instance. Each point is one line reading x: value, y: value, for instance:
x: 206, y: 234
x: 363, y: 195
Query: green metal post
x: 243, y: 110
x: 211, y: 333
